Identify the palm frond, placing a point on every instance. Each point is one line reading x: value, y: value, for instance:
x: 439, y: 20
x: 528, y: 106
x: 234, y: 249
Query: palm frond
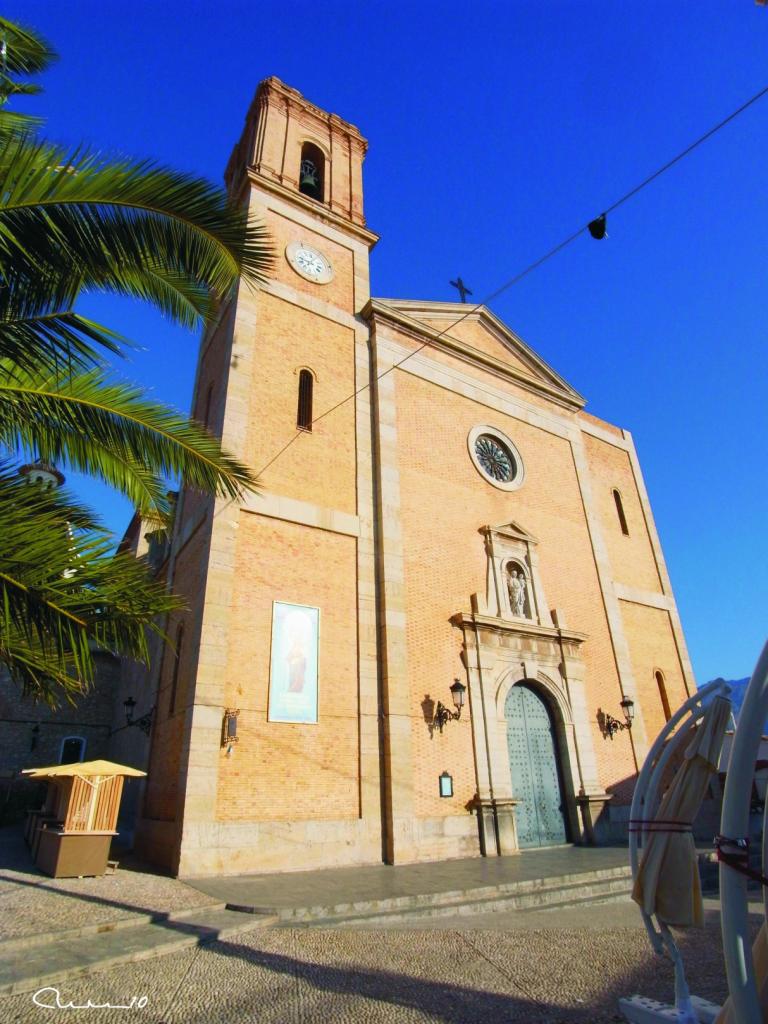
x: 10, y: 87
x: 63, y: 591
x: 181, y: 298
x: 35, y: 333
x: 27, y: 53
x: 79, y: 207
x: 38, y: 673
x: 112, y: 430
x: 14, y: 125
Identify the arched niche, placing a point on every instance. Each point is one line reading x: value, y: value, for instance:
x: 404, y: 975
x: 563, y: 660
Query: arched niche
x: 517, y: 580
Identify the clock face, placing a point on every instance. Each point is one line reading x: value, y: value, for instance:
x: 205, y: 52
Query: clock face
x: 309, y: 263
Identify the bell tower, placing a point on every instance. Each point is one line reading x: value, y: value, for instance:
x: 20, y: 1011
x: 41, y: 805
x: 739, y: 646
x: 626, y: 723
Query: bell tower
x: 293, y: 565
x: 291, y: 143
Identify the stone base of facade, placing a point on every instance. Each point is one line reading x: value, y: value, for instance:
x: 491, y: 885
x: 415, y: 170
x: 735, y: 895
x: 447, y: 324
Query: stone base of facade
x: 592, y: 810
x: 156, y: 842
x: 238, y: 848
x: 235, y: 848
x: 496, y: 823
x: 446, y: 838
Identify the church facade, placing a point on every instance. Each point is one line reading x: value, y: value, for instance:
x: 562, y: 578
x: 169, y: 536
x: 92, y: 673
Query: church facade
x: 414, y: 642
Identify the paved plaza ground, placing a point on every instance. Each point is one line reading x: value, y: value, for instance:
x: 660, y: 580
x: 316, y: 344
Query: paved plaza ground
x: 553, y: 972
x: 558, y: 965
x: 31, y: 903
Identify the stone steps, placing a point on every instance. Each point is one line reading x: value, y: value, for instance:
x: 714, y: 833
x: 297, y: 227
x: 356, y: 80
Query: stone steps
x: 27, y: 966
x: 594, y: 886
x: 556, y: 899
x: 31, y: 962
x: 129, y: 921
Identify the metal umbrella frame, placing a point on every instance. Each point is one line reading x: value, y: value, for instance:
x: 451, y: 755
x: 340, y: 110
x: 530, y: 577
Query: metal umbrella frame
x: 734, y: 828
x: 670, y: 742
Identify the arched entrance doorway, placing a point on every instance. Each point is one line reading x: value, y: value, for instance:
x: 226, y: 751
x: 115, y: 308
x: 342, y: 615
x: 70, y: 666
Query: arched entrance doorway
x: 533, y: 763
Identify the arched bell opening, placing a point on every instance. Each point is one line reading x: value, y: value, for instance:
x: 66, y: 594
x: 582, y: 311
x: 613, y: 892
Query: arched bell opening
x: 538, y: 757
x: 312, y: 172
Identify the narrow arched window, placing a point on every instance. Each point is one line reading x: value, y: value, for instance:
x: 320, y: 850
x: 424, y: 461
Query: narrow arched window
x: 312, y: 172
x: 304, y: 412
x: 620, y: 513
x: 663, y: 694
x: 176, y: 661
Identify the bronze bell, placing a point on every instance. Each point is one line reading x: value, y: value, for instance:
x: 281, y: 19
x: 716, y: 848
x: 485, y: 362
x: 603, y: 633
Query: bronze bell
x: 308, y: 173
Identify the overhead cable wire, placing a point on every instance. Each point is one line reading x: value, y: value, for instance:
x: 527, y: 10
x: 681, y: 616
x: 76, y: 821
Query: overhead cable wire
x: 533, y: 266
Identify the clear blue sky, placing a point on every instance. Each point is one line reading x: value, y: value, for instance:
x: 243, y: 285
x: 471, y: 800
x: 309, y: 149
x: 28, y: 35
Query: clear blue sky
x: 495, y: 130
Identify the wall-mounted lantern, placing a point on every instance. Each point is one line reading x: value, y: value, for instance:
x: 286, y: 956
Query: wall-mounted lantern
x: 229, y: 730
x: 446, y: 784
x: 612, y: 725
x: 442, y: 714
x: 144, y: 723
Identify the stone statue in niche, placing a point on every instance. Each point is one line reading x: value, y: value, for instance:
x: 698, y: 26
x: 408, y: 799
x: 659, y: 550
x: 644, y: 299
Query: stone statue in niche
x: 516, y: 587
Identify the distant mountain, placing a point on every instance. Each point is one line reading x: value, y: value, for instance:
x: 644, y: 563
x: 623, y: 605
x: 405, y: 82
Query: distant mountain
x: 738, y: 693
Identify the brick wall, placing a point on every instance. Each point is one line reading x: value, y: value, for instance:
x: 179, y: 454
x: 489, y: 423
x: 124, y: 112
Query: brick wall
x: 90, y: 717
x: 162, y: 797
x: 320, y: 466
x: 444, y: 501
x: 280, y: 770
x: 339, y: 291
x: 478, y: 336
x: 652, y: 648
x: 631, y: 557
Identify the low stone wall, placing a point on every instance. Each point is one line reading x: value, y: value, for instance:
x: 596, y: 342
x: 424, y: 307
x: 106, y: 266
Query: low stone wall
x: 234, y: 848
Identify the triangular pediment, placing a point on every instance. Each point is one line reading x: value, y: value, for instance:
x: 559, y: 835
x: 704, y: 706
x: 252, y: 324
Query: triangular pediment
x: 512, y: 530
x: 480, y: 336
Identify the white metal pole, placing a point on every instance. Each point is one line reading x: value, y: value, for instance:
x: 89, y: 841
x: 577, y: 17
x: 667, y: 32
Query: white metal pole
x: 734, y: 824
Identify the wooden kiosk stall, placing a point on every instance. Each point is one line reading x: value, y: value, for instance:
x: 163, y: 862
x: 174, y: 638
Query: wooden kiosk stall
x: 72, y: 834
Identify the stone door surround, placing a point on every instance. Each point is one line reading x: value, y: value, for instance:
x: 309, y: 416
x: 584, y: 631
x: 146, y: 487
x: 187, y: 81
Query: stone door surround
x: 509, y: 636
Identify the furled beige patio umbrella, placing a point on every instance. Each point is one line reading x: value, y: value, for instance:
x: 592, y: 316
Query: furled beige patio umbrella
x: 667, y: 882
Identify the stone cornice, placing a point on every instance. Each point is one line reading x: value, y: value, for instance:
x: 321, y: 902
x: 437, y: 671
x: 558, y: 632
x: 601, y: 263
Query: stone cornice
x: 452, y: 311
x: 561, y: 394
x: 317, y: 210
x: 293, y: 97
x: 520, y: 627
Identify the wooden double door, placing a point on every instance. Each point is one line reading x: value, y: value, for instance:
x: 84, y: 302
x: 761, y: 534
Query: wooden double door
x: 535, y: 769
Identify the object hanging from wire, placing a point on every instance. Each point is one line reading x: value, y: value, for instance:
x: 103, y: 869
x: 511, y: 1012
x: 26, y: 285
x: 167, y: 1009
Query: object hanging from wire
x: 597, y: 227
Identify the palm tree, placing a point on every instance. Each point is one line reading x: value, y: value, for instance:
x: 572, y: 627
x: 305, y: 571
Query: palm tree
x: 74, y: 222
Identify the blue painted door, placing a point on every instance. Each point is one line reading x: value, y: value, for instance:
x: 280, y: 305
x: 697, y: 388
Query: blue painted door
x: 533, y: 763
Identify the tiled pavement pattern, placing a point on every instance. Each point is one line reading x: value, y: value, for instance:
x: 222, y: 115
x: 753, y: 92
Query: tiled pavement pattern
x: 31, y: 903
x: 548, y: 974
x: 561, y: 965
